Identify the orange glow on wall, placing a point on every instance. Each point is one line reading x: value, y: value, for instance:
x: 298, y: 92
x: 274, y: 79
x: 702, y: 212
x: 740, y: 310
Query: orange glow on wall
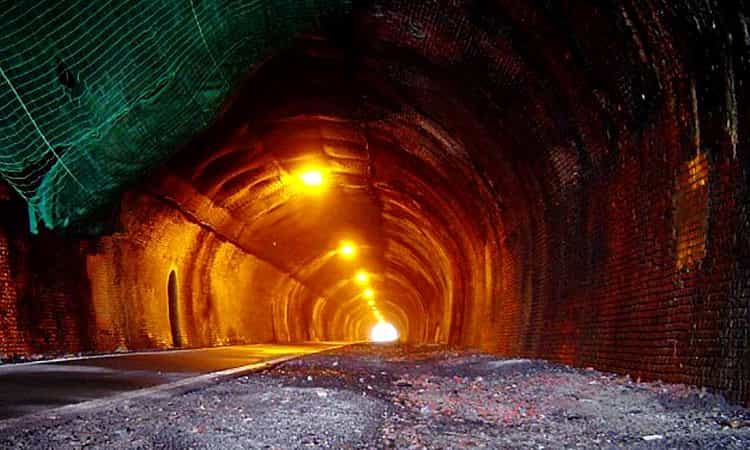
x: 691, y: 212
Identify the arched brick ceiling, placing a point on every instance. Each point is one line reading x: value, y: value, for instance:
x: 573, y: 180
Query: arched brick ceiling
x: 452, y: 132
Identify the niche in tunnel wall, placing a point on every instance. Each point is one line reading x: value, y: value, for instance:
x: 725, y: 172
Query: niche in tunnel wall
x: 130, y: 288
x: 174, y: 311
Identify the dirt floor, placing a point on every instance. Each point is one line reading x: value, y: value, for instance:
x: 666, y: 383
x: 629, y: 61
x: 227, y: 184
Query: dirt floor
x: 394, y: 397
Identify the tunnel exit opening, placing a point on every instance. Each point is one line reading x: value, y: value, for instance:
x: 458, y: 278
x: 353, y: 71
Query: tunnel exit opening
x: 174, y: 316
x: 384, y: 332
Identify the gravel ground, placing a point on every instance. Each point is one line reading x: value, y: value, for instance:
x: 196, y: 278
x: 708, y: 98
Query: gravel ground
x: 398, y: 397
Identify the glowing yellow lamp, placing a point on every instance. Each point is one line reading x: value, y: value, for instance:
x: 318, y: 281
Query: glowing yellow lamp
x: 361, y: 277
x: 369, y: 293
x: 347, y: 250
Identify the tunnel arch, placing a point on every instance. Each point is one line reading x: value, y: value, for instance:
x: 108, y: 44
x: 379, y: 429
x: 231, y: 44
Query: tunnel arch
x: 496, y: 205
x: 514, y: 174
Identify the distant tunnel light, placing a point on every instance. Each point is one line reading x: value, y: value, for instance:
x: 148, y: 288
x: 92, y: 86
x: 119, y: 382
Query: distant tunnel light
x: 383, y: 332
x: 369, y: 293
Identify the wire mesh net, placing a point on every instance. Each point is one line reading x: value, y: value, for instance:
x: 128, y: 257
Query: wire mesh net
x: 94, y: 93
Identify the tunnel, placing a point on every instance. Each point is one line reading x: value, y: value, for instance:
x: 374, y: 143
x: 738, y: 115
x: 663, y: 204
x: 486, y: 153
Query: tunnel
x: 557, y: 180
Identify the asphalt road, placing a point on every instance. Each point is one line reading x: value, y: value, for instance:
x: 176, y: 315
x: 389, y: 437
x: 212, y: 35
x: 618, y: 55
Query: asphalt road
x: 33, y: 387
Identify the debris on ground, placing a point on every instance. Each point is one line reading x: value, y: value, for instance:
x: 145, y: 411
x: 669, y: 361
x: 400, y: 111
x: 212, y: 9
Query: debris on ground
x: 393, y: 396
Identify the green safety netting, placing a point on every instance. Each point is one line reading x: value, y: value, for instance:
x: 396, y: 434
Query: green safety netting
x: 93, y: 93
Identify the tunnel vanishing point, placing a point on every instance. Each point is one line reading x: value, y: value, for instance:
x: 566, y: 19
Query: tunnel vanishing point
x: 547, y: 179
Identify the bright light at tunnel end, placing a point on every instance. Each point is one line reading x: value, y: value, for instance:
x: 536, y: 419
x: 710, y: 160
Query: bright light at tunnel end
x: 383, y: 332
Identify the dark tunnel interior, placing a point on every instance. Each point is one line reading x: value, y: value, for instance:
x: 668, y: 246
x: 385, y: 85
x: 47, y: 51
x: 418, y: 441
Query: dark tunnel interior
x: 549, y: 179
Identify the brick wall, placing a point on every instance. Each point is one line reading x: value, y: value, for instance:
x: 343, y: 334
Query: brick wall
x: 112, y: 293
x: 44, y: 292
x: 647, y: 276
x: 629, y: 250
x: 611, y: 136
x: 11, y: 338
x: 224, y: 295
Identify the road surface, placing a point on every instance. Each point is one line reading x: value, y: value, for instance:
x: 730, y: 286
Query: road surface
x: 33, y: 387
